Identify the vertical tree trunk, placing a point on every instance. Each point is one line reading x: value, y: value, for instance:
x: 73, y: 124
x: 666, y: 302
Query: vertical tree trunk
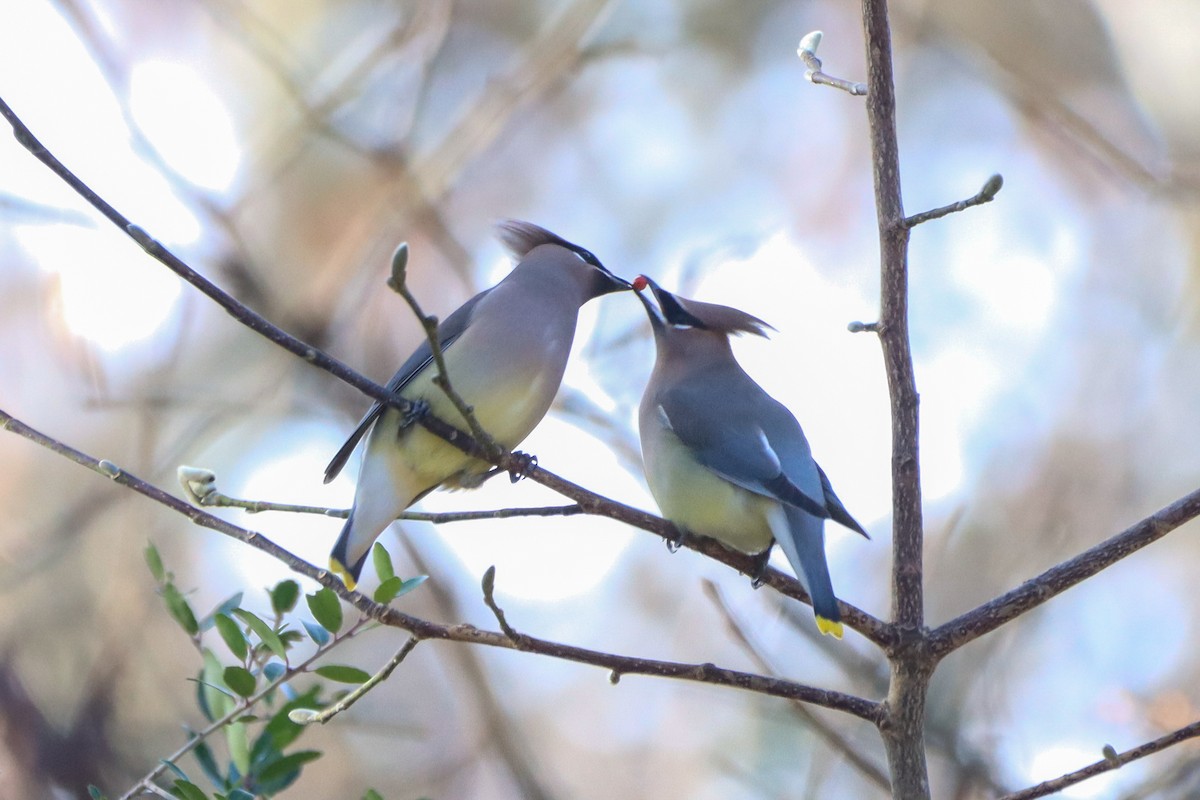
x: 904, y: 719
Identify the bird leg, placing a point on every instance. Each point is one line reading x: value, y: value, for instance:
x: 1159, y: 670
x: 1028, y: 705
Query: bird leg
x: 758, y: 575
x: 524, y: 464
x: 675, y: 542
x: 417, y: 410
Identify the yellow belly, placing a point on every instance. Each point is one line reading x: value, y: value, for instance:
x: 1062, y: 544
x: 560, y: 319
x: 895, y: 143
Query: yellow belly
x: 697, y: 499
x: 508, y: 405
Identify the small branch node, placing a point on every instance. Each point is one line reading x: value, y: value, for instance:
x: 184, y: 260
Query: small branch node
x: 144, y: 240
x: 397, y: 282
x: 198, y: 484
x: 489, y: 588
x: 307, y: 716
x: 991, y: 187
x: 808, y: 54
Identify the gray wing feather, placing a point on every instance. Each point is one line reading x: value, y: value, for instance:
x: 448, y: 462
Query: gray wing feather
x: 734, y: 428
x: 837, y: 511
x: 448, y: 331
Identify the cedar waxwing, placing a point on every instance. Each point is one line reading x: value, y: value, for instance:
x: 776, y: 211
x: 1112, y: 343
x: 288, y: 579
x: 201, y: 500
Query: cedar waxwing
x: 505, y: 350
x: 723, y: 458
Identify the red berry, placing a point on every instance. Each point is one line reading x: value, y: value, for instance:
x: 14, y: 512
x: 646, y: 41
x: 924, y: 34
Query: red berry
x: 640, y: 282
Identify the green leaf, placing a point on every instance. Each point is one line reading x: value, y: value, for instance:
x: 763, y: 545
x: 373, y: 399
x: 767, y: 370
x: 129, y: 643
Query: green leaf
x: 234, y: 639
x: 281, y: 730
x: 171, y: 765
x: 226, y: 607
x: 282, y: 770
x: 411, y: 584
x: 180, y: 610
x: 240, y: 680
x: 326, y: 609
x: 268, y: 636
x: 237, y: 738
x: 239, y: 794
x: 188, y: 791
x: 273, y: 670
x: 317, y: 633
x: 387, y: 591
x: 204, y: 757
x: 154, y: 562
x: 383, y: 563
x: 290, y: 638
x: 284, y: 596
x: 95, y: 793
x: 393, y: 587
x: 372, y: 795
x: 215, y: 701
x: 343, y: 674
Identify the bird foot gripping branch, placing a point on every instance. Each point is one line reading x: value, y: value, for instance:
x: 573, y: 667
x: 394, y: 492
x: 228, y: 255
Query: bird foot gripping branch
x: 523, y: 464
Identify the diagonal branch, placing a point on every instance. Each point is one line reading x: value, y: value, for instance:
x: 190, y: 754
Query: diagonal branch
x: 1112, y: 760
x: 239, y: 709
x: 827, y: 732
x: 1056, y: 580
x: 986, y: 194
x: 869, y: 626
x: 423, y: 629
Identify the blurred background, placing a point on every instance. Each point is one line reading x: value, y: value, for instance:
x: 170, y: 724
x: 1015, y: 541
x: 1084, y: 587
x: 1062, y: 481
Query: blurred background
x: 284, y: 148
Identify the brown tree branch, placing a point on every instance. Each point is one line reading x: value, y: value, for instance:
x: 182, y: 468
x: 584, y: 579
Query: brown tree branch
x: 1056, y: 580
x: 814, y: 74
x: 241, y: 707
x: 1112, y: 760
x: 618, y: 665
x: 904, y: 726
x: 592, y: 503
x: 398, y: 282
x: 200, y: 487
x: 827, y: 732
x: 986, y: 194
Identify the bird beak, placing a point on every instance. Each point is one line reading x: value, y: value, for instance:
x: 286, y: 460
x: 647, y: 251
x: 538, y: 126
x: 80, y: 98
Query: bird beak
x: 673, y: 311
x: 640, y: 283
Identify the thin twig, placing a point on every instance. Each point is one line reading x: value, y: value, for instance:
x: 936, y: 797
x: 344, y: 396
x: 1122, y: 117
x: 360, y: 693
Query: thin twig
x: 502, y: 731
x: 147, y: 780
x: 617, y: 664
x: 398, y: 283
x: 199, y: 485
x: 808, y: 54
x: 1112, y: 760
x: 299, y: 716
x: 591, y: 503
x: 996, y: 612
x: 986, y: 194
x: 489, y: 588
x: 831, y: 736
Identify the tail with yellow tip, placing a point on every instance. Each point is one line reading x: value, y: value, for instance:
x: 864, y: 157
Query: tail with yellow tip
x: 347, y: 565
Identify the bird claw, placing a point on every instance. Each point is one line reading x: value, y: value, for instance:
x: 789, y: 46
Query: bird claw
x: 417, y: 410
x: 525, y: 464
x: 758, y: 575
x: 676, y: 542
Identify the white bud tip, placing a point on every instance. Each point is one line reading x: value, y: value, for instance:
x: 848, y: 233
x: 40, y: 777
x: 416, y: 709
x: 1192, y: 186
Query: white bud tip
x: 811, y: 42
x: 302, y: 716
